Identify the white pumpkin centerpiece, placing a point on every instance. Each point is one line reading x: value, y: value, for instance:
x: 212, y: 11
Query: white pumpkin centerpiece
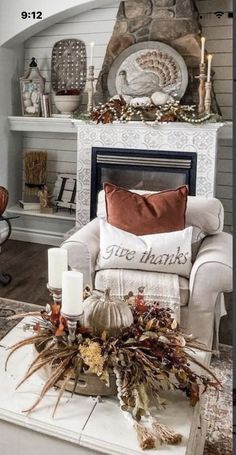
x: 106, y: 312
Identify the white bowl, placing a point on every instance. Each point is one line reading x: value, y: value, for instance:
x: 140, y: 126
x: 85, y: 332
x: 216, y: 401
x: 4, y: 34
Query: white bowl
x: 66, y: 104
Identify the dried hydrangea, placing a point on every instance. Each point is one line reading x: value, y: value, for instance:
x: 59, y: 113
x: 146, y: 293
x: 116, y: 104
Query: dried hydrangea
x: 91, y: 354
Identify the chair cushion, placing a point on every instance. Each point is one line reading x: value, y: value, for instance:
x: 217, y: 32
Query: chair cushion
x: 142, y: 214
x: 101, y: 282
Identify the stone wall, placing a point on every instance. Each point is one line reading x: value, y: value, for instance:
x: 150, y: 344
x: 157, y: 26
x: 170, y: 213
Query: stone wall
x: 174, y: 22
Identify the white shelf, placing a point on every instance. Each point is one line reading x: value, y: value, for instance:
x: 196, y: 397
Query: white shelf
x: 48, y: 125
x: 60, y: 215
x: 67, y: 125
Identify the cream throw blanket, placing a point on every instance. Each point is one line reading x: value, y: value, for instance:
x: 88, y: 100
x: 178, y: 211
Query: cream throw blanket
x: 161, y: 287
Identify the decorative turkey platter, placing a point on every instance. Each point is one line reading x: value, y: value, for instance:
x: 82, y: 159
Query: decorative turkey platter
x: 147, y: 68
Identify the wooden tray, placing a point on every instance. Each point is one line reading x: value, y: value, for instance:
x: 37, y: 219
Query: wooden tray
x: 88, y: 384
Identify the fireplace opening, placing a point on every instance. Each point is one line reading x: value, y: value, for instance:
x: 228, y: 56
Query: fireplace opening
x: 151, y: 170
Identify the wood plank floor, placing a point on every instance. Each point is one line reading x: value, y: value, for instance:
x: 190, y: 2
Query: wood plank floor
x: 27, y: 263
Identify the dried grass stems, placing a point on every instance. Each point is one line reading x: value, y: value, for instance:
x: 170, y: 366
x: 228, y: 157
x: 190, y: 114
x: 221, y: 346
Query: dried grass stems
x: 159, y: 434
x: 35, y: 163
x: 151, y: 356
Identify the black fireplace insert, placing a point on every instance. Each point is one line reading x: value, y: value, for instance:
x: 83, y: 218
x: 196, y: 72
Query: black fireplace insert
x: 151, y: 170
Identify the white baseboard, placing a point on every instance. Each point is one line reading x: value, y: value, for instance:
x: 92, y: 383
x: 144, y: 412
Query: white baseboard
x: 36, y: 236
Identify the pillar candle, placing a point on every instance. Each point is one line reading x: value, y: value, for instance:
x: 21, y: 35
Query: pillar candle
x: 203, y: 40
x: 57, y: 264
x: 72, y: 293
x: 91, y: 53
x: 209, y: 60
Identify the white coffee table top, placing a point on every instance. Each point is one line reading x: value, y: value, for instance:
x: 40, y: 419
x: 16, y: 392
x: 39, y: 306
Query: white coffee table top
x: 99, y: 426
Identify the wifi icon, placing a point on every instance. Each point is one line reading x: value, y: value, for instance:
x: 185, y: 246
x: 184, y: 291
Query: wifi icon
x: 219, y: 14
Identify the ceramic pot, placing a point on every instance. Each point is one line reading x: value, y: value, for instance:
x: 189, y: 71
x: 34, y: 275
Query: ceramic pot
x: 3, y: 199
x: 66, y: 104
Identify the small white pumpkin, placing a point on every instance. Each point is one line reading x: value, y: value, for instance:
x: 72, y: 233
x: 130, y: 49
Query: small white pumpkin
x: 104, y: 312
x: 159, y: 98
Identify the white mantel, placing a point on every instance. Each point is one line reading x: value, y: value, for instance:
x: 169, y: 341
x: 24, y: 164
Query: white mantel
x: 178, y: 137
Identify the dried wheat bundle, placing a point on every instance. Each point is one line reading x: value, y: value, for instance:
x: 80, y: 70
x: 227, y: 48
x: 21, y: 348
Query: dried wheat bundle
x: 35, y: 166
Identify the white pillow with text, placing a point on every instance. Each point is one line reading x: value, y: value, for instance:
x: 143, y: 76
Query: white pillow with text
x: 168, y: 253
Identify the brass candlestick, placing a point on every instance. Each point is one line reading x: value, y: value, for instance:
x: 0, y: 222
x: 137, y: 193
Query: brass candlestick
x: 201, y: 88
x: 208, y: 86
x: 55, y: 293
x: 90, y: 88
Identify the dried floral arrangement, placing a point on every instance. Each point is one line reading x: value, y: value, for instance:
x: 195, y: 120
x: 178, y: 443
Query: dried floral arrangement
x: 117, y: 109
x: 148, y: 356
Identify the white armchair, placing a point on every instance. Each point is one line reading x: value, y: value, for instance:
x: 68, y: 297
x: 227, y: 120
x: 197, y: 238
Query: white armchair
x: 202, y: 300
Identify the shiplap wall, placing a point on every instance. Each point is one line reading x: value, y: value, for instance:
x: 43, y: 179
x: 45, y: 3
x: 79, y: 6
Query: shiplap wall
x: 61, y: 152
x: 218, y: 32
x: 97, y: 26
x: 219, y: 42
x: 224, y: 180
x: 94, y: 26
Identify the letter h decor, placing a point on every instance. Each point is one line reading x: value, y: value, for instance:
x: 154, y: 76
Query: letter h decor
x: 65, y: 191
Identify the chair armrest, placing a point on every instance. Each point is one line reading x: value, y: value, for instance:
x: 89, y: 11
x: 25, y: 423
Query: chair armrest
x: 215, y: 254
x: 83, y: 248
x: 211, y: 275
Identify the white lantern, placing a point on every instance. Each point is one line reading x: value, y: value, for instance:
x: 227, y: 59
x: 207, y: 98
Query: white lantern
x: 32, y: 87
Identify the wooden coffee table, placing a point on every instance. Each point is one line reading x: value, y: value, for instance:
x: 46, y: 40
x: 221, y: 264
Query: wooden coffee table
x: 82, y: 425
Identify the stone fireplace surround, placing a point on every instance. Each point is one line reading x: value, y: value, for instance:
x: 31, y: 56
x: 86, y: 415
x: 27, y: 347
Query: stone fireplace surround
x: 178, y: 137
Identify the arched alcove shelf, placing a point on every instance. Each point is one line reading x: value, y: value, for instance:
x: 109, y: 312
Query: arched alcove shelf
x: 14, y: 30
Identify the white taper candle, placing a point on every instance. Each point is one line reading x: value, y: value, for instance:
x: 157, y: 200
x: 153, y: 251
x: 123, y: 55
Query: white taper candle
x: 72, y: 293
x: 57, y: 264
x: 209, y: 60
x: 91, y: 53
x: 203, y: 40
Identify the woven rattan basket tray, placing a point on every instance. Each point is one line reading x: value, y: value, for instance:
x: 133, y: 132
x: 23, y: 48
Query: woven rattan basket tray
x: 69, y: 65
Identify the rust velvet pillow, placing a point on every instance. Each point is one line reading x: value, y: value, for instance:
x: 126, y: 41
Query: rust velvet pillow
x: 146, y: 214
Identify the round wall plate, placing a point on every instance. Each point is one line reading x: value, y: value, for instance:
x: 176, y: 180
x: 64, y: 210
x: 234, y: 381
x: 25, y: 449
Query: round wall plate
x: 148, y: 67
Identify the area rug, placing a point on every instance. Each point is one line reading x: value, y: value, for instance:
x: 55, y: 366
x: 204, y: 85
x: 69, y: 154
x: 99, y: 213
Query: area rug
x: 218, y: 407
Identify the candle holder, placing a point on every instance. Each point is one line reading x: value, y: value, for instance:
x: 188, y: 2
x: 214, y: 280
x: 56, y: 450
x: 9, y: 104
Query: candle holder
x: 90, y: 88
x: 201, y: 88
x: 72, y: 325
x: 208, y: 86
x: 56, y: 294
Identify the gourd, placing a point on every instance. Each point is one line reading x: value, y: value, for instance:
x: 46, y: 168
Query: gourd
x: 3, y: 199
x: 160, y: 98
x: 104, y: 312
